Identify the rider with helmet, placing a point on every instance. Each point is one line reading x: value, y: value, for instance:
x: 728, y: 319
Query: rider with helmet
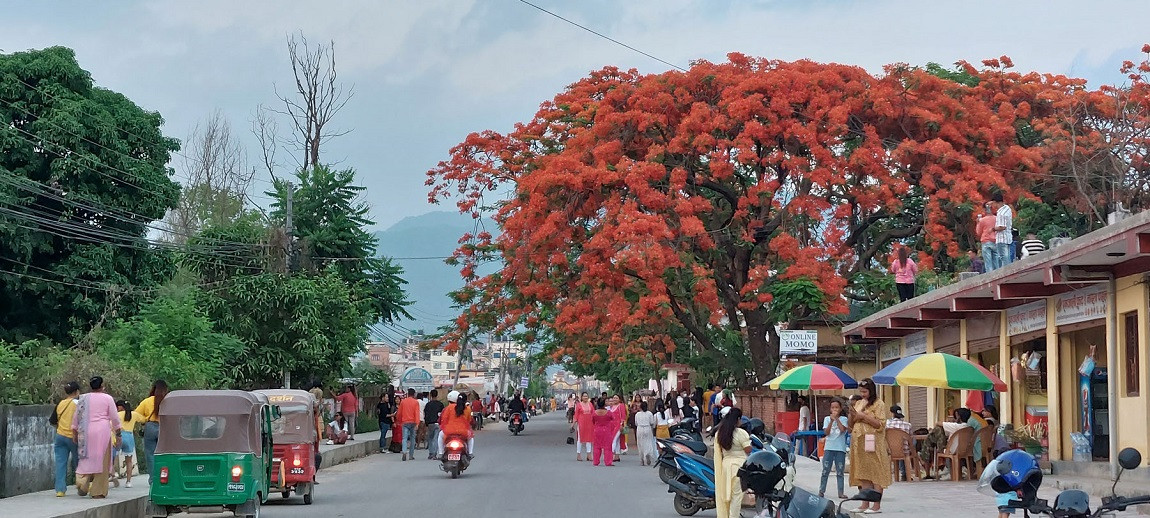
x: 456, y: 420
x: 516, y: 405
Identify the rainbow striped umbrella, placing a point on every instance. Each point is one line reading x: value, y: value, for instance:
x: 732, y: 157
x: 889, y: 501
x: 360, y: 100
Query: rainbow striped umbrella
x: 813, y: 377
x: 939, y: 370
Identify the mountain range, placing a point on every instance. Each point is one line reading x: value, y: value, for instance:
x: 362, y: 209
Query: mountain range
x: 420, y: 244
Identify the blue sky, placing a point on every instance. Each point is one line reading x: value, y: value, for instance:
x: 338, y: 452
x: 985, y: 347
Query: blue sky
x: 428, y: 72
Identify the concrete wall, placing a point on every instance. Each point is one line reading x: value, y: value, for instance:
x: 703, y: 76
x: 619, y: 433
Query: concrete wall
x: 26, y: 456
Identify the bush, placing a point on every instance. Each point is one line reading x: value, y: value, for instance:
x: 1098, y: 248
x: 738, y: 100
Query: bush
x: 34, y: 372
x: 365, y: 423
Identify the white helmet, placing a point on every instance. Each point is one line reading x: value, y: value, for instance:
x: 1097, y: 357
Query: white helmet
x: 453, y: 396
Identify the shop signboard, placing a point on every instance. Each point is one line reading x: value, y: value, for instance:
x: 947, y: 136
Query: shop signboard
x: 798, y: 342
x: 915, y: 344
x: 417, y: 378
x: 1026, y: 318
x: 1081, y: 305
x: 889, y: 351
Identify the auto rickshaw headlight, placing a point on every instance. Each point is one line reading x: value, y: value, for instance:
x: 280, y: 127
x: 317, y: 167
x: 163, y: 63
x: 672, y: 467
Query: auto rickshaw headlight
x: 296, y: 461
x: 236, y: 473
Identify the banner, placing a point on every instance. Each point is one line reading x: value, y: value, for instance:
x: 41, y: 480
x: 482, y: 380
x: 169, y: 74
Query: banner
x: 1081, y: 305
x: 1026, y: 318
x: 417, y: 378
x: 798, y: 342
x: 889, y: 351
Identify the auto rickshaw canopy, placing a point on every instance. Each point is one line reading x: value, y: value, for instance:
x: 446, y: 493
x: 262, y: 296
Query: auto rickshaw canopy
x: 211, y: 421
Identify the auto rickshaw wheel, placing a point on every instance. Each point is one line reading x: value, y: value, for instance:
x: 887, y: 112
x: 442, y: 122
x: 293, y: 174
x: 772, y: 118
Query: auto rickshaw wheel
x: 309, y: 488
x: 307, y: 499
x: 286, y: 493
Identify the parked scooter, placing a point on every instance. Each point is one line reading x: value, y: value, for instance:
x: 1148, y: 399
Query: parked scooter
x: 687, y: 430
x: 693, y: 481
x: 1017, y: 472
x: 515, y: 423
x: 455, y: 458
x: 669, y: 449
x: 770, y: 477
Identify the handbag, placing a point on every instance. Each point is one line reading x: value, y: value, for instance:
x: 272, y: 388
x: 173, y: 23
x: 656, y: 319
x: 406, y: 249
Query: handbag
x: 869, y: 443
x: 570, y: 439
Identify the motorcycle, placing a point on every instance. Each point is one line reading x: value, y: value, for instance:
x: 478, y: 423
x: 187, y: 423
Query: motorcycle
x: 686, y: 430
x: 671, y: 448
x: 1075, y: 503
x: 515, y: 423
x: 693, y: 479
x: 455, y: 458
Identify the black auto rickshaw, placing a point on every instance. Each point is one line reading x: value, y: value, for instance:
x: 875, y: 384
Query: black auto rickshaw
x: 214, y: 453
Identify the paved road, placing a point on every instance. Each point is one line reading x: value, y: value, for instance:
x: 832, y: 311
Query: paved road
x: 534, y: 474
x: 539, y: 469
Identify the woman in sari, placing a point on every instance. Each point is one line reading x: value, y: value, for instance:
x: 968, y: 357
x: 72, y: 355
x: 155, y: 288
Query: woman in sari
x: 645, y: 435
x: 583, y: 427
x: 869, y: 456
x: 97, y: 427
x: 732, y: 445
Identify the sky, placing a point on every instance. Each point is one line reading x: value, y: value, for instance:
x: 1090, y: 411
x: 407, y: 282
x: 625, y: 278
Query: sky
x: 428, y: 72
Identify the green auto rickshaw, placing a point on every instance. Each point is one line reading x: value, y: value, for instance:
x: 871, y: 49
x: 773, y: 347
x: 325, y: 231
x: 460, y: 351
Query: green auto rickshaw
x: 214, y: 453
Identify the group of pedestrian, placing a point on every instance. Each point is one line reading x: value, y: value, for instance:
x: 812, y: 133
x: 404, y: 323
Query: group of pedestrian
x: 93, y: 433
x: 413, y: 415
x: 599, y: 428
x: 997, y: 235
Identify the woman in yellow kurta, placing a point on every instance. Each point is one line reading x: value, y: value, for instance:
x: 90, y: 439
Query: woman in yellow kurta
x: 732, y: 445
x: 870, y: 459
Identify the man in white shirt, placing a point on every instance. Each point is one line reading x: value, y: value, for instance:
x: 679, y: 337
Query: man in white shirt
x: 1003, y: 232
x: 804, y: 414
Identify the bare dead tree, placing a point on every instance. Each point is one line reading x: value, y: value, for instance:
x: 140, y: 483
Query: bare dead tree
x: 318, y: 97
x: 216, y: 178
x: 266, y: 131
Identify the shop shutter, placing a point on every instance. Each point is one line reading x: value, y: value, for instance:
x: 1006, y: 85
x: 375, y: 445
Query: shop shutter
x: 977, y: 346
x: 916, y: 408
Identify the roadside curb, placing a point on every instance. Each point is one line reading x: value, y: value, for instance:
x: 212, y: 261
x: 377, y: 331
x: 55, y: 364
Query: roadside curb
x: 133, y: 507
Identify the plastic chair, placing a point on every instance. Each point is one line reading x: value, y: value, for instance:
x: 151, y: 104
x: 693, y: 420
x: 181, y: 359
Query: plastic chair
x: 986, y: 437
x: 962, y: 444
x: 901, y: 450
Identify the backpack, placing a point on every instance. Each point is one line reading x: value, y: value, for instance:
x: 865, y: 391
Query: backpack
x: 54, y: 419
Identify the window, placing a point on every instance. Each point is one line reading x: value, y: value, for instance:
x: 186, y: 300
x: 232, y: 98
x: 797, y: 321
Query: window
x: 1131, y: 353
x: 202, y: 427
x: 375, y: 357
x: 438, y: 366
x: 451, y: 366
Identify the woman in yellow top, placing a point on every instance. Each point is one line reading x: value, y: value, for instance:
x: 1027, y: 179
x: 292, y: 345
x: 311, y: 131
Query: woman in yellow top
x: 870, y: 458
x: 732, y: 445
x: 149, y: 410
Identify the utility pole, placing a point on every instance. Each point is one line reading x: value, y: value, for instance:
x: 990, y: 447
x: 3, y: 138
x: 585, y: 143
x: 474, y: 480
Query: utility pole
x: 289, y: 253
x: 459, y: 359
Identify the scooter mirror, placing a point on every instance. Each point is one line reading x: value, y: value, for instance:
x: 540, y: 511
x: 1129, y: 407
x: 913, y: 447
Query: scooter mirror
x: 867, y: 495
x: 1129, y: 458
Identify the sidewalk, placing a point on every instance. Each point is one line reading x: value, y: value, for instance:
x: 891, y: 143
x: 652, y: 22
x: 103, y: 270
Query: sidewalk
x: 129, y: 502
x: 939, y: 499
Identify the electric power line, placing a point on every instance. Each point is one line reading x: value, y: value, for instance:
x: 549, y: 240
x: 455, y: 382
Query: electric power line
x: 606, y: 37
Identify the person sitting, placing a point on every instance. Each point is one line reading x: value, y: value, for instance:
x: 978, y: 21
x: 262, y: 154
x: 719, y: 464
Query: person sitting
x: 337, y: 430
x: 898, y: 419
x: 939, y: 436
x: 456, y: 420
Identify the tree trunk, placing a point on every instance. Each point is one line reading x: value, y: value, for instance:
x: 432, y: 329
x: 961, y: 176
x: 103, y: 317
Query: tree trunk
x: 762, y: 346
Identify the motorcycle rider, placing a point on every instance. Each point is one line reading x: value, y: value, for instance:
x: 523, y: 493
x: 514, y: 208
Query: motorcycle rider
x: 456, y: 420
x: 516, y: 405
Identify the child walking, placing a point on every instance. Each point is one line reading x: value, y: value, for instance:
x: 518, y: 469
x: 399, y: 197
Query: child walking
x: 835, y: 450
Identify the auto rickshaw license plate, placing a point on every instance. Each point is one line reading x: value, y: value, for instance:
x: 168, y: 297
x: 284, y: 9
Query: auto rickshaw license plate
x: 296, y: 471
x: 453, y: 456
x: 235, y: 486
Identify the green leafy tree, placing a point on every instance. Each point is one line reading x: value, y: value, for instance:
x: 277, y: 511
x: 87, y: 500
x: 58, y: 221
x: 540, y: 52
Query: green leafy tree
x: 173, y: 340
x: 332, y: 227
x: 82, y: 175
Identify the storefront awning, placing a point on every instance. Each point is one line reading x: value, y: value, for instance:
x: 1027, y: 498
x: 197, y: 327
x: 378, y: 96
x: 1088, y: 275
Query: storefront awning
x: 1120, y: 250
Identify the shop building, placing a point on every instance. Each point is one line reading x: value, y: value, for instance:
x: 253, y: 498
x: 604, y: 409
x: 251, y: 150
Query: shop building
x: 1033, y: 323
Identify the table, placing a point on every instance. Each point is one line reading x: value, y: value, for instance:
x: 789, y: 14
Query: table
x: 801, y: 445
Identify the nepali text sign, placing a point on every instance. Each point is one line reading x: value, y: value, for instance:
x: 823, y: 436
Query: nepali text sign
x: 915, y: 344
x: 1026, y: 318
x: 798, y: 342
x: 417, y: 378
x: 889, y: 351
x: 523, y: 382
x: 1081, y: 305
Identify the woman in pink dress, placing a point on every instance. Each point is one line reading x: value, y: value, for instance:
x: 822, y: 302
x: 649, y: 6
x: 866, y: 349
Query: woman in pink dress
x: 606, y: 431
x: 97, y: 427
x: 583, y: 427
